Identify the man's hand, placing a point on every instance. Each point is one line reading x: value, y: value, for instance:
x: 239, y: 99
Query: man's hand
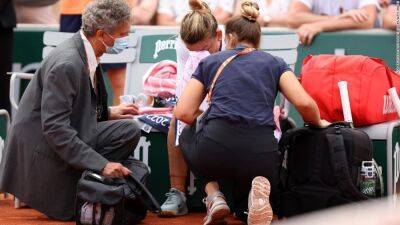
x: 114, y: 170
x: 307, y: 32
x: 123, y: 111
x: 357, y: 15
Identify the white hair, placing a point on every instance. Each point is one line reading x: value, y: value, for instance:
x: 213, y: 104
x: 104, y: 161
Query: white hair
x: 105, y: 15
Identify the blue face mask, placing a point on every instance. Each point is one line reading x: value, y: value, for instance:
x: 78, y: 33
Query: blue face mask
x: 119, y: 45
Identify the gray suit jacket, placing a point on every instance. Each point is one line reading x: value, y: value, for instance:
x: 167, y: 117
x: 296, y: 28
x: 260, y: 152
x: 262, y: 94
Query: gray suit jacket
x: 53, y: 135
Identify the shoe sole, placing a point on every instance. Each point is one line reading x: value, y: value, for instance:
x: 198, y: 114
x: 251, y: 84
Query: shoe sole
x: 170, y: 213
x: 260, y: 190
x: 218, y: 214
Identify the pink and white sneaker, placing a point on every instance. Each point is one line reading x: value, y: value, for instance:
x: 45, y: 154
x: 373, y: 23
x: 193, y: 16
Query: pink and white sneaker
x: 260, y: 211
x: 217, y: 209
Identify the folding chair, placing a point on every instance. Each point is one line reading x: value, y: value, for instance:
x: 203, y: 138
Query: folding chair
x: 4, y: 113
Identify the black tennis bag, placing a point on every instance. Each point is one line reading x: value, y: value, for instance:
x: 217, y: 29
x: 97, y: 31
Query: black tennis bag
x: 321, y: 167
x: 122, y: 201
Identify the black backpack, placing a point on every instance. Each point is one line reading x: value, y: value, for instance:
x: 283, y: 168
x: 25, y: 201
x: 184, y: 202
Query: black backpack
x: 321, y: 167
x: 122, y: 201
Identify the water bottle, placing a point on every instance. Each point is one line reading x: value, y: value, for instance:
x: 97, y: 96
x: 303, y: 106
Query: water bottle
x: 143, y: 100
x: 368, y: 179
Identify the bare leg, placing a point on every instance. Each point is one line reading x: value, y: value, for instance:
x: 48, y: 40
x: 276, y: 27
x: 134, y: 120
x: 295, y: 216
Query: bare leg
x: 175, y: 204
x: 177, y: 166
x: 117, y: 80
x: 211, y: 188
x: 217, y: 209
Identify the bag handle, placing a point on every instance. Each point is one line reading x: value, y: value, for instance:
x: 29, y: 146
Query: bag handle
x: 221, y: 68
x: 149, y: 199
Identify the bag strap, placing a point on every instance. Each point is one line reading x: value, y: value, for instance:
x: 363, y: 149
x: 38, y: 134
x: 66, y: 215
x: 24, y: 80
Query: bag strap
x: 339, y: 163
x: 221, y: 68
x: 150, y: 201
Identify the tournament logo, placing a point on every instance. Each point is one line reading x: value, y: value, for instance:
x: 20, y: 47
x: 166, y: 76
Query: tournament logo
x: 1, y: 147
x: 155, y: 48
x: 142, y: 150
x: 161, y: 45
x: 192, y: 187
x: 388, y: 106
x: 396, y: 165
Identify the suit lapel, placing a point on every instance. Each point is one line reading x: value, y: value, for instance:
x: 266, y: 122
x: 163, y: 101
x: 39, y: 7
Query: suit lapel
x: 81, y: 48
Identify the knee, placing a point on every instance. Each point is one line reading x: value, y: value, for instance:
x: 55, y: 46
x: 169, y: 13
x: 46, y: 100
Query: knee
x: 132, y: 133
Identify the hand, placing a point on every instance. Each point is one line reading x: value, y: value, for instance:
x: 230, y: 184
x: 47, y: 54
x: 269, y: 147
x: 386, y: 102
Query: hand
x: 114, y: 170
x: 323, y: 124
x: 123, y: 111
x: 357, y: 15
x: 307, y: 32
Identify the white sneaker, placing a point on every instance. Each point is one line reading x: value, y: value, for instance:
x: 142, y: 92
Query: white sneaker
x: 217, y: 209
x: 260, y: 211
x: 175, y: 205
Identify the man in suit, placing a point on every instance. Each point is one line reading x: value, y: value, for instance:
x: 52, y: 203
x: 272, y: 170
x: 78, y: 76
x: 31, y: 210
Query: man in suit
x: 389, y: 17
x: 7, y: 23
x: 63, y: 125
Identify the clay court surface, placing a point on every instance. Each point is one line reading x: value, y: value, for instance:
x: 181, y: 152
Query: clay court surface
x: 26, y: 216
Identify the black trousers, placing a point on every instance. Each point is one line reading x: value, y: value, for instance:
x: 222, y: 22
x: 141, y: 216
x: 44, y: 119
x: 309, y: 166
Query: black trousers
x: 6, y: 47
x: 222, y: 150
x: 117, y: 139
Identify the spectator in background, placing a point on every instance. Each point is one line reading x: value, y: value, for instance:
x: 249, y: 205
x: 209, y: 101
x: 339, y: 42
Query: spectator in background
x: 7, y: 23
x: 171, y: 12
x: 389, y: 15
x: 71, y: 21
x: 144, y: 11
x: 273, y: 13
x: 35, y: 11
x: 386, y: 3
x: 71, y: 15
x: 311, y: 17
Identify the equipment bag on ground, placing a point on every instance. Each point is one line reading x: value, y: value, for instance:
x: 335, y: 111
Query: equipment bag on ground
x: 368, y: 82
x: 321, y: 168
x: 107, y: 201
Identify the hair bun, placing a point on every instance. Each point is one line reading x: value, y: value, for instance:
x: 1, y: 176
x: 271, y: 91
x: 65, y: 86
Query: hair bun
x: 250, y: 10
x: 198, y: 5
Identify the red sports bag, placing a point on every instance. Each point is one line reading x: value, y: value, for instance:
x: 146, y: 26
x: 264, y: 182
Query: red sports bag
x: 368, y: 82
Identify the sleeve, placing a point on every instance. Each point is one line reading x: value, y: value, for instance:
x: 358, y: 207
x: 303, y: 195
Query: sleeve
x: 308, y: 3
x: 282, y: 67
x: 199, y: 74
x: 364, y: 3
x: 165, y: 7
x: 182, y: 54
x: 278, y: 7
x: 59, y: 91
x: 227, y: 5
